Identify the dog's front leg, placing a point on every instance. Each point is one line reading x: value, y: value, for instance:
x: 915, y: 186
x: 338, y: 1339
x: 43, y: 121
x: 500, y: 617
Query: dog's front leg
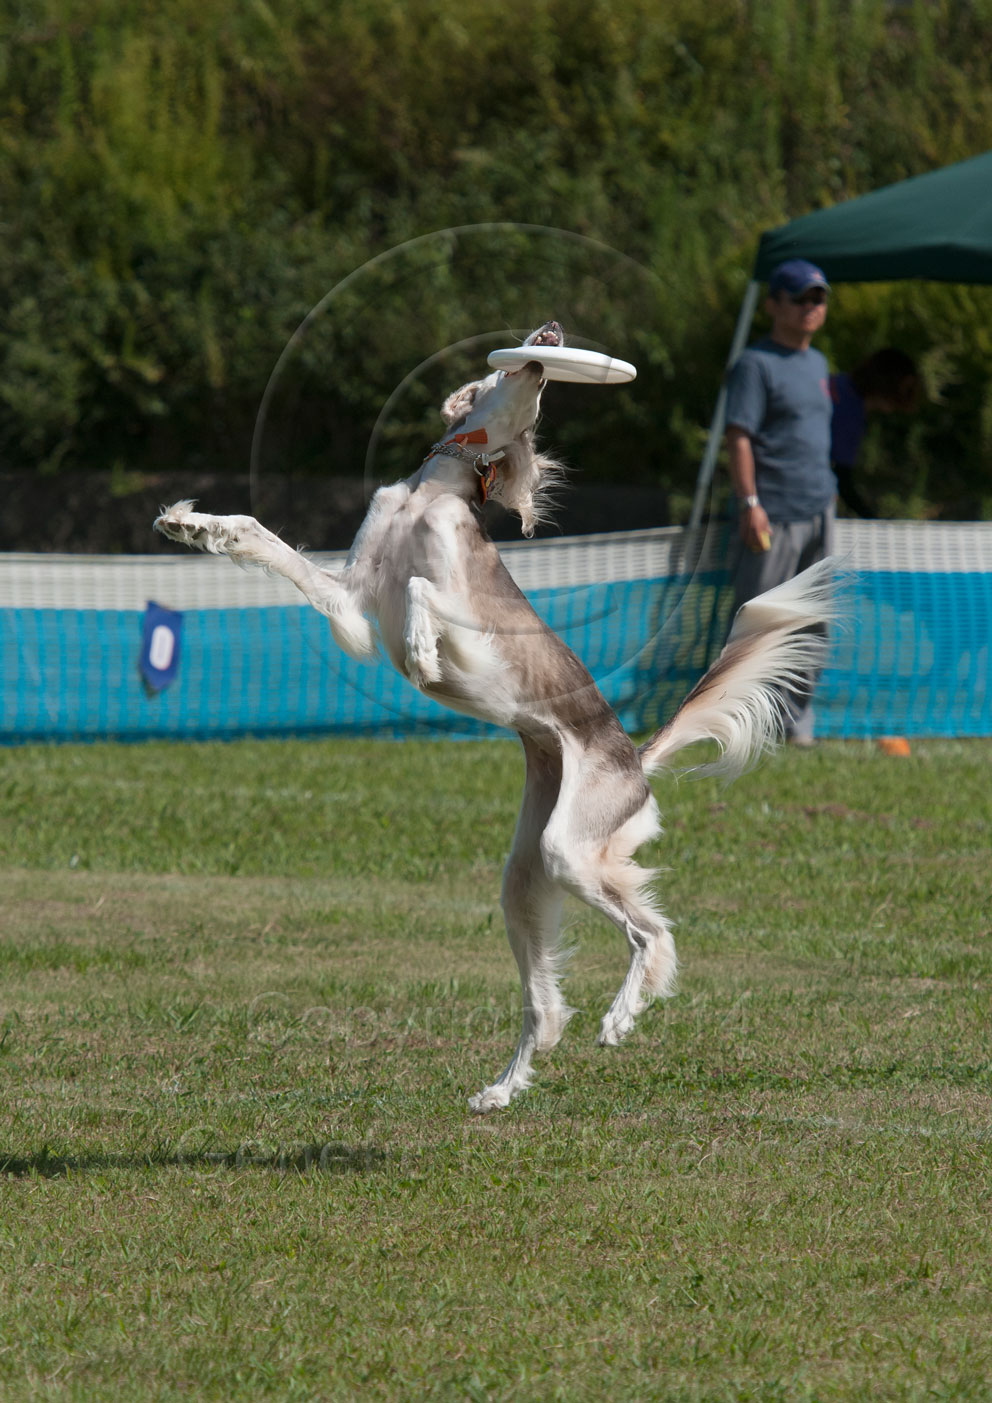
x: 421, y: 633
x: 247, y: 542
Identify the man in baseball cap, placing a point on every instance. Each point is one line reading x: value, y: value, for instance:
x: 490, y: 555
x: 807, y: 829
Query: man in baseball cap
x: 796, y: 277
x: 778, y: 449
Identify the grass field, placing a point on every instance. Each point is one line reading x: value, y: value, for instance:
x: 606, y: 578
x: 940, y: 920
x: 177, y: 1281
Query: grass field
x: 246, y: 990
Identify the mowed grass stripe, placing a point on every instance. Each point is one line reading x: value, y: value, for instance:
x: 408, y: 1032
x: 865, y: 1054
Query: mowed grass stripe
x: 246, y: 989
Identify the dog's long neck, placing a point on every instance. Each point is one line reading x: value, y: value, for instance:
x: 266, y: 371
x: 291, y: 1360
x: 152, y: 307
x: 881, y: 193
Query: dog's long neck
x: 448, y: 474
x: 463, y: 462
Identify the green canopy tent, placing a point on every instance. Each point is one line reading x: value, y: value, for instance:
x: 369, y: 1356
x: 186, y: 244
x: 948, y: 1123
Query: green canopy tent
x: 937, y: 227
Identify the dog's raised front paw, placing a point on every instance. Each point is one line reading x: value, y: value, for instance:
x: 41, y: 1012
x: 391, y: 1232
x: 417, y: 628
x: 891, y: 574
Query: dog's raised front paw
x: 423, y: 668
x: 190, y: 528
x: 220, y: 535
x: 421, y: 664
x: 176, y: 522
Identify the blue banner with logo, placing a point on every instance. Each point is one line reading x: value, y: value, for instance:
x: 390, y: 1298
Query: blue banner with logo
x: 160, y: 639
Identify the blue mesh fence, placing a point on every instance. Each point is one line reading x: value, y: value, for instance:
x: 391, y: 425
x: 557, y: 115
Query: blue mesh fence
x: 914, y: 659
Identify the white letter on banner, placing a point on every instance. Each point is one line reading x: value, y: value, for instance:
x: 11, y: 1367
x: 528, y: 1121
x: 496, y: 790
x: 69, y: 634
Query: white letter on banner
x: 163, y: 645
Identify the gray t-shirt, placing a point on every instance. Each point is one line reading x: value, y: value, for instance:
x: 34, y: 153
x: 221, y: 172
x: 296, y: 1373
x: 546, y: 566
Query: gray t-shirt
x: 781, y: 399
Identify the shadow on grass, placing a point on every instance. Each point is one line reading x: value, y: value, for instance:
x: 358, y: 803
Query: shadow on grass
x: 329, y: 1158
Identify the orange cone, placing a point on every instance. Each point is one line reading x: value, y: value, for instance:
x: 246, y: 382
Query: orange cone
x: 893, y: 745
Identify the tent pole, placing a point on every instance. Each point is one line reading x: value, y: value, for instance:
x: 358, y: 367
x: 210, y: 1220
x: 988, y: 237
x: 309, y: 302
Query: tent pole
x: 708, y: 465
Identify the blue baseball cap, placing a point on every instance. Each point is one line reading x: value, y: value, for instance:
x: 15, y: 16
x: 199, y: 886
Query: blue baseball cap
x: 795, y: 277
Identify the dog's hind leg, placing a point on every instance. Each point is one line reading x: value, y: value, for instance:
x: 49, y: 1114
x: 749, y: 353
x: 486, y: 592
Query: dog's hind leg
x: 532, y: 904
x: 653, y: 965
x: 617, y: 889
x: 601, y: 819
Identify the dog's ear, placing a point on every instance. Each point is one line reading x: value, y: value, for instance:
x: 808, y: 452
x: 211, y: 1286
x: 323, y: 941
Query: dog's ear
x: 457, y: 406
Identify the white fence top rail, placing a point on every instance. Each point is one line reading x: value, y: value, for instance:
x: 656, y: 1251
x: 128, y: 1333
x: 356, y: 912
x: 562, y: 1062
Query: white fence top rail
x: 192, y: 581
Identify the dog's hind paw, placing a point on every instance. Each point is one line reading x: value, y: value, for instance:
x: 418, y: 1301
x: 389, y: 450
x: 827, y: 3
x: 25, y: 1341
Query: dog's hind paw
x: 493, y: 1098
x: 614, y: 1028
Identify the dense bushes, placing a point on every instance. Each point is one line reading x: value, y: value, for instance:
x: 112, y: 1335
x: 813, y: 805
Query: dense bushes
x: 182, y: 183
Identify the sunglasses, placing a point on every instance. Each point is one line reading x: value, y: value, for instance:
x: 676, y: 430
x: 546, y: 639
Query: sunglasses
x: 815, y: 297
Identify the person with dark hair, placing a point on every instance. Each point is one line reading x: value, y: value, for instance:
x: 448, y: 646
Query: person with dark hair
x: 886, y: 382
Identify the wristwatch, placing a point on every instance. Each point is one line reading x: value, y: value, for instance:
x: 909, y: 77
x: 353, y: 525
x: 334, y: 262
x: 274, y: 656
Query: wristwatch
x: 746, y: 503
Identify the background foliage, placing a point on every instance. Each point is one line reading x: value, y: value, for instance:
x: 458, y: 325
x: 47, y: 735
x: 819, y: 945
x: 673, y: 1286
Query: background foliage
x: 180, y: 184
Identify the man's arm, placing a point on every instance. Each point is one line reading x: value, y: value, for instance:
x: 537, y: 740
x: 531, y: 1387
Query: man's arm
x: 755, y: 528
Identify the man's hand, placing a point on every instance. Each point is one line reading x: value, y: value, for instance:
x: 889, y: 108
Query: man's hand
x: 755, y: 529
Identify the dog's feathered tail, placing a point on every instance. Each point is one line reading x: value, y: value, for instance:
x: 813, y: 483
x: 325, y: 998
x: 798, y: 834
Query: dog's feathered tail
x: 777, y: 641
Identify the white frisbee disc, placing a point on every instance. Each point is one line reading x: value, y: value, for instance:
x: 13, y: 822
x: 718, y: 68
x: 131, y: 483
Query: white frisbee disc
x: 566, y: 363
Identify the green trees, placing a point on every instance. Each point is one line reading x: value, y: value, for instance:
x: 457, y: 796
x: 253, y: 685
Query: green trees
x: 180, y: 184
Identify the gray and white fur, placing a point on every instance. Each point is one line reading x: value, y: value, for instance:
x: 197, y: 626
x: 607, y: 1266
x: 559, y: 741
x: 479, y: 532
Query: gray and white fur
x: 423, y: 580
